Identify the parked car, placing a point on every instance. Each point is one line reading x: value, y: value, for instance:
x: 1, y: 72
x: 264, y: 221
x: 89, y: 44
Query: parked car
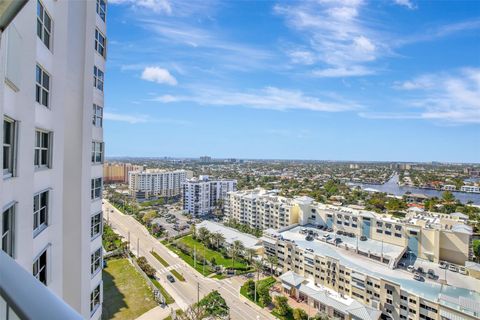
x: 452, y: 268
x: 443, y: 265
x: 330, y: 230
x: 430, y: 271
x: 418, y: 277
x: 462, y: 270
x: 431, y: 276
x: 401, y: 264
x: 420, y: 270
x: 170, y: 278
x: 363, y: 238
x: 411, y: 268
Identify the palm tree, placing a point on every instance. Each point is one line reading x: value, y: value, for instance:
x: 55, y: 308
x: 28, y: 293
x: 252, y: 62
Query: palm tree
x: 217, y: 238
x: 273, y: 261
x: 235, y: 249
x: 257, y: 267
x: 202, y: 234
x: 250, y: 253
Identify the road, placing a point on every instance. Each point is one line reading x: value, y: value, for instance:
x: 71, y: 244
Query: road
x: 184, y: 293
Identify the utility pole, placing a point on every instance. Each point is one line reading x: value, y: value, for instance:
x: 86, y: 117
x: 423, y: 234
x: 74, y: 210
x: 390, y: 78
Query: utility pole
x: 129, y: 240
x: 203, y: 272
x: 194, y: 256
x: 138, y: 247
x: 198, y: 292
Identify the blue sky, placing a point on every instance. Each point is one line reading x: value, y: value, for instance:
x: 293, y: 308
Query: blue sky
x: 395, y: 80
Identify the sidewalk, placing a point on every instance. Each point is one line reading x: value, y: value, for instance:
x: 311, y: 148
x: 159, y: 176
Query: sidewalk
x: 158, y: 313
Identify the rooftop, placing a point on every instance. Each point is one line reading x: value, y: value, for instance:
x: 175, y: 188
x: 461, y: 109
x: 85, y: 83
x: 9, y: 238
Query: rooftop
x: 230, y: 234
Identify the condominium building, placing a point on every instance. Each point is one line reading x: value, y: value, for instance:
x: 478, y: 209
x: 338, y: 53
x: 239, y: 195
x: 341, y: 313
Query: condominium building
x: 51, y: 99
x: 429, y: 236
x: 260, y: 209
x: 118, y: 172
x: 157, y: 183
x: 201, y: 195
x: 349, y: 285
x: 474, y: 189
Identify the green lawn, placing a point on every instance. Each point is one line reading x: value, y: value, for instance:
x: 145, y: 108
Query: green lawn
x: 126, y: 295
x: 268, y: 282
x: 190, y: 261
x: 209, y: 254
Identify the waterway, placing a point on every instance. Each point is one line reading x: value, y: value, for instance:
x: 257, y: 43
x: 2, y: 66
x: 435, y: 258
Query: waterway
x: 392, y: 187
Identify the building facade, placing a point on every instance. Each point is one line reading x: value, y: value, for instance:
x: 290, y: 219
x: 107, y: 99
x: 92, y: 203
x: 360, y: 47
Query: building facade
x: 51, y: 99
x: 118, y: 172
x: 157, y: 183
x: 202, y: 196
x: 374, y: 285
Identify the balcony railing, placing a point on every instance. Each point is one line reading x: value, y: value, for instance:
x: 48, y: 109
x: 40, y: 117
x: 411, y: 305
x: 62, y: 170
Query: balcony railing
x: 24, y: 297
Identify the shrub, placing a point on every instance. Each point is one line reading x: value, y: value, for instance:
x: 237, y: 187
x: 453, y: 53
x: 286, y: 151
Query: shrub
x: 281, y: 305
x: 146, y: 267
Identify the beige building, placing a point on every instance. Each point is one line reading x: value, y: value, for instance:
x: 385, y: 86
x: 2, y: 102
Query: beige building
x: 118, y: 172
x: 157, y: 183
x: 429, y: 236
x: 313, y: 268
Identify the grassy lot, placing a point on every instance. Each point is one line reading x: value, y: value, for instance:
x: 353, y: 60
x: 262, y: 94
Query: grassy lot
x: 162, y: 261
x: 209, y: 254
x: 168, y: 298
x: 126, y: 295
x: 268, y: 282
x: 189, y: 260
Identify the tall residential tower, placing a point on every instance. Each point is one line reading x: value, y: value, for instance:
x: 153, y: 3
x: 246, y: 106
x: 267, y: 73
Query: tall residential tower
x: 51, y: 100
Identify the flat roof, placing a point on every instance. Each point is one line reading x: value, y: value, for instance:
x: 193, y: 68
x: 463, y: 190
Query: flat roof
x: 230, y: 234
x: 427, y: 290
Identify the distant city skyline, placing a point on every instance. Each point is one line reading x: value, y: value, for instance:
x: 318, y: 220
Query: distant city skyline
x: 392, y: 80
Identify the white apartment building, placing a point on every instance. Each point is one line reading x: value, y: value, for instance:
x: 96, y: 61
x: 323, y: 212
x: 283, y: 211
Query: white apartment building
x: 473, y: 189
x: 260, y: 209
x: 51, y: 100
x: 202, y: 195
x: 157, y: 183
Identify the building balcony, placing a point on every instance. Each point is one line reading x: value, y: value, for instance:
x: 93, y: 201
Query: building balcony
x: 24, y: 297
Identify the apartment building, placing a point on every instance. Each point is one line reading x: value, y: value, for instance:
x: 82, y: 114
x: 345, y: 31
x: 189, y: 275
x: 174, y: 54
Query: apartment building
x: 260, y: 209
x: 51, y: 99
x: 348, y: 285
x: 118, y: 172
x: 202, y: 195
x: 157, y: 183
x: 429, y: 236
x: 473, y: 189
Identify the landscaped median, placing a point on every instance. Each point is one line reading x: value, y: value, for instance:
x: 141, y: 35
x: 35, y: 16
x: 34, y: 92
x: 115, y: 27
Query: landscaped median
x: 165, y: 263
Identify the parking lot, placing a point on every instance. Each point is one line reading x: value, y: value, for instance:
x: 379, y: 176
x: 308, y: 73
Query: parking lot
x: 173, y: 221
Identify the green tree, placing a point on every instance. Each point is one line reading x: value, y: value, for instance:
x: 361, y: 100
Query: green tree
x: 148, y: 217
x: 250, y: 254
x: 448, y: 197
x: 146, y: 267
x: 203, y: 234
x: 273, y: 262
x: 264, y: 295
x: 235, y: 249
x: 281, y: 305
x: 476, y: 248
x: 299, y: 314
x: 216, y: 239
x: 250, y: 288
x: 215, y: 305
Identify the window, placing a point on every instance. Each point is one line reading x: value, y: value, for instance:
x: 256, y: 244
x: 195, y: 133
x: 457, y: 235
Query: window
x: 42, y: 149
x: 101, y: 8
x: 40, y: 268
x: 97, y: 152
x: 8, y: 230
x: 9, y: 147
x: 40, y: 212
x: 96, y: 188
x: 97, y: 115
x: 42, y: 86
x: 95, y: 261
x: 100, y: 43
x: 97, y: 78
x: 44, y: 25
x: 95, y: 299
x: 96, y: 225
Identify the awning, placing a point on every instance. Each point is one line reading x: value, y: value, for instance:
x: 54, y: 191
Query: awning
x: 286, y: 286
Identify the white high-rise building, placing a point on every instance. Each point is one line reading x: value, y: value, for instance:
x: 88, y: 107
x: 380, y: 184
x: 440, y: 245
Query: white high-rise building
x: 51, y: 100
x: 201, y: 195
x: 157, y: 183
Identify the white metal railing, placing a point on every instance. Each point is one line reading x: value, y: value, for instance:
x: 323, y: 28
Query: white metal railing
x: 24, y: 297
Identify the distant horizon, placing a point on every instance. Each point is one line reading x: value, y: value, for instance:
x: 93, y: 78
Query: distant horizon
x: 287, y: 159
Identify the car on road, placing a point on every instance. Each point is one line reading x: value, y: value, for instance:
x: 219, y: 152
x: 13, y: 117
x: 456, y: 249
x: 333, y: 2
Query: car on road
x: 401, y: 264
x: 420, y: 270
x: 418, y: 277
x: 411, y: 268
x: 462, y: 270
x: 452, y: 268
x: 170, y: 278
x: 363, y: 238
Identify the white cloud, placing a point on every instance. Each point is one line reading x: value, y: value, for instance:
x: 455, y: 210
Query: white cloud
x: 334, y: 30
x: 405, y: 3
x: 163, y: 6
x: 158, y: 75
x: 132, y: 119
x: 452, y: 98
x: 268, y: 98
x: 302, y: 57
